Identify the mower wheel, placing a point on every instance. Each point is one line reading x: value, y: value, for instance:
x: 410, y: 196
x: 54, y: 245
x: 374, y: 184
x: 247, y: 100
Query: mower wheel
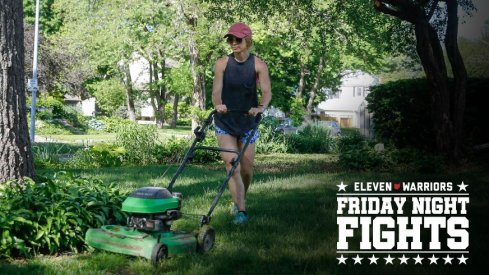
x: 160, y: 251
x: 205, y: 239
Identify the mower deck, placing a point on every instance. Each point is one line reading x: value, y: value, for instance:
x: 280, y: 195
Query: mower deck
x: 129, y: 241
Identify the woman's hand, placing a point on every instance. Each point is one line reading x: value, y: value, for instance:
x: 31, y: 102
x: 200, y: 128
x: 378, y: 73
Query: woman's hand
x: 221, y: 108
x: 256, y: 110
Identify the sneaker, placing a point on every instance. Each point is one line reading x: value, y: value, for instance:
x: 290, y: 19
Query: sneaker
x: 240, y: 218
x: 234, y: 209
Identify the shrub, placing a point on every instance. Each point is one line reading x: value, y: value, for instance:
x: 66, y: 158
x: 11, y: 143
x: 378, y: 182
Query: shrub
x: 99, y: 155
x: 402, y: 113
x: 53, y: 215
x: 50, y: 105
x: 96, y: 124
x: 50, y: 127
x: 311, y: 139
x: 173, y: 150
x: 139, y: 141
x: 356, y: 153
x: 270, y: 141
x: 113, y: 123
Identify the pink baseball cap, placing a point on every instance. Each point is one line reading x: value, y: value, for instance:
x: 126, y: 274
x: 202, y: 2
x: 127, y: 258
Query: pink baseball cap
x: 240, y: 30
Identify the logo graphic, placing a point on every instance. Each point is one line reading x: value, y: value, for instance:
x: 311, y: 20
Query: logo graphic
x: 402, y: 223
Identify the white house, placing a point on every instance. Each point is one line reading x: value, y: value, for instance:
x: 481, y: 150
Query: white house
x: 348, y: 105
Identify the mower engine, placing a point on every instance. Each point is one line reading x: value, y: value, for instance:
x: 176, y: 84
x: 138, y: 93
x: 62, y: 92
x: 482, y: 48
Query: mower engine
x: 152, y: 209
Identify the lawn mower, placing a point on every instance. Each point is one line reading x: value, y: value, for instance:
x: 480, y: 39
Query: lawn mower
x: 152, y: 210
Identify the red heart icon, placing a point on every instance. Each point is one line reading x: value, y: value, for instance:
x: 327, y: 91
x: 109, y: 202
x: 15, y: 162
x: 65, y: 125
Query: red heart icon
x: 397, y: 186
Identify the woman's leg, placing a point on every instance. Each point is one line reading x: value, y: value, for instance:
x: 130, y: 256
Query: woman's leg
x: 247, y: 162
x: 235, y: 184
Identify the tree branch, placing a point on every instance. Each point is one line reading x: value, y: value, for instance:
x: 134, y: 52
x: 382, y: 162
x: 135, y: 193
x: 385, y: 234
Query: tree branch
x: 388, y: 7
x: 432, y: 9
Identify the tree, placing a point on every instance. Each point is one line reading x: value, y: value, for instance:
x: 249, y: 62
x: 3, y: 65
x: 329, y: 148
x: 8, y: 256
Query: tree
x: 16, y: 159
x: 433, y: 19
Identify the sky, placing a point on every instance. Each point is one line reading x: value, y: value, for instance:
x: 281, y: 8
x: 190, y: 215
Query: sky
x: 473, y: 27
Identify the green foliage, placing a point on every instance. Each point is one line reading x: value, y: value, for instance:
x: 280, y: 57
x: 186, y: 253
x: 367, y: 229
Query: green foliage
x: 50, y: 128
x: 357, y: 153
x: 270, y: 141
x: 99, y: 155
x: 113, y: 123
x: 199, y: 115
x: 109, y: 94
x: 50, y: 108
x: 53, y: 215
x: 297, y: 111
x: 173, y: 150
x: 311, y: 139
x: 402, y: 113
x: 139, y: 141
x: 47, y: 155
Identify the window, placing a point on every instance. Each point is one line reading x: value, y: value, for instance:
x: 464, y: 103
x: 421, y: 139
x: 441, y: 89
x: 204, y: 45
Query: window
x: 359, y: 91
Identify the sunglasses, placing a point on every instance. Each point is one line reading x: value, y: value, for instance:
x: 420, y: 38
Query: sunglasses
x: 232, y: 39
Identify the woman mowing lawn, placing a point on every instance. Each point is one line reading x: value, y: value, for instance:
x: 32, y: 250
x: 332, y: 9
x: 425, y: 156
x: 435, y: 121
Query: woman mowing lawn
x: 236, y: 77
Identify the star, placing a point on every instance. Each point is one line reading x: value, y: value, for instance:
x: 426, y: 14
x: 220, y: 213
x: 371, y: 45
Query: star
x: 342, y: 259
x: 433, y: 259
x: 418, y: 260
x: 388, y: 260
x: 462, y: 259
x: 373, y: 260
x: 357, y: 259
x: 403, y: 259
x: 342, y: 186
x: 448, y: 260
x: 462, y: 186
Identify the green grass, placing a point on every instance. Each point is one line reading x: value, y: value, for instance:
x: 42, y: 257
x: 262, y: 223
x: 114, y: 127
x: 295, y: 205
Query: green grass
x: 292, y: 205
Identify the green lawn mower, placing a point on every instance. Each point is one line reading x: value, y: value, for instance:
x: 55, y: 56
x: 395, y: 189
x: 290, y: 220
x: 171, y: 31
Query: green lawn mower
x: 152, y: 210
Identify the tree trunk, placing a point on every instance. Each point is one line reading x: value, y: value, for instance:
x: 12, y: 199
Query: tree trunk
x: 176, y: 98
x: 460, y: 77
x: 302, y: 76
x: 431, y: 56
x: 160, y: 95
x: 127, y: 80
x: 315, y: 87
x: 16, y: 159
x: 448, y: 105
x: 198, y: 97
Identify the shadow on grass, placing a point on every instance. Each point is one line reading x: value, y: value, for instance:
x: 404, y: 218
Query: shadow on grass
x: 292, y: 228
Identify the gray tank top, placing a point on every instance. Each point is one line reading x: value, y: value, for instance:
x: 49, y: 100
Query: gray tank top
x: 239, y: 94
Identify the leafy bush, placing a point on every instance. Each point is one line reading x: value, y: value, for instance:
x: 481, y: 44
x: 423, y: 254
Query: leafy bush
x: 50, y: 107
x: 53, y: 215
x: 356, y: 153
x: 95, y: 124
x: 113, y: 123
x: 297, y: 111
x: 173, y: 150
x: 109, y: 94
x: 270, y: 141
x: 139, y: 141
x: 311, y: 139
x: 50, y: 127
x: 99, y: 155
x: 402, y: 113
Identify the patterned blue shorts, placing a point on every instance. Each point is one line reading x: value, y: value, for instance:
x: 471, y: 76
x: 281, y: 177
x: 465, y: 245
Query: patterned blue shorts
x: 242, y: 138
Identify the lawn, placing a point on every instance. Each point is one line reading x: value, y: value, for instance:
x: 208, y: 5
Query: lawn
x: 292, y: 205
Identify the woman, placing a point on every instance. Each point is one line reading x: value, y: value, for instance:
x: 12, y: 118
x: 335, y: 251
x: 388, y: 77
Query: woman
x: 236, y: 77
